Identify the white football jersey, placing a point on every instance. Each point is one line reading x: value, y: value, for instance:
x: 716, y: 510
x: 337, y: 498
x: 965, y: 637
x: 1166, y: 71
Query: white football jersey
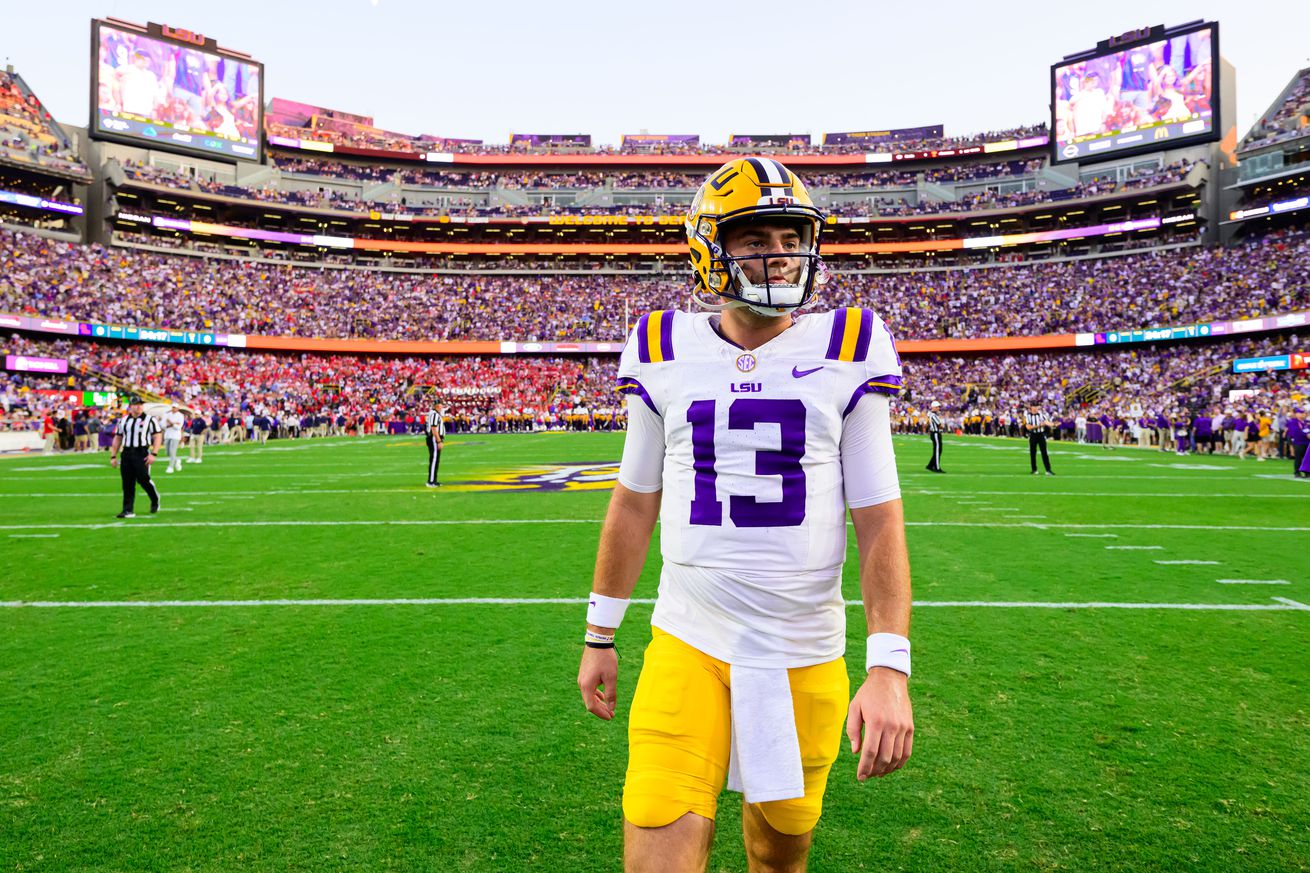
x: 753, y: 512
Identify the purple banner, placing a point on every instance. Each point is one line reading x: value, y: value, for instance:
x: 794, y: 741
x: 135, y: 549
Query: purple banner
x: 560, y: 139
x: 291, y: 113
x: 770, y: 139
x: 446, y: 141
x: 29, y: 364
x: 643, y: 140
x: 28, y: 200
x: 931, y: 131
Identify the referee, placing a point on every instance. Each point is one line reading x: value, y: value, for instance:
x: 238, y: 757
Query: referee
x: 1036, y: 423
x: 138, y: 438
x: 436, y: 429
x: 935, y: 428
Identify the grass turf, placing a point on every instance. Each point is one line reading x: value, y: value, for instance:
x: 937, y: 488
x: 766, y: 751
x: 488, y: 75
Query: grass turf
x: 406, y: 737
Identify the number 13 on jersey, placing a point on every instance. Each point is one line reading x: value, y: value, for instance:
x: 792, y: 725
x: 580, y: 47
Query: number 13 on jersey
x: 785, y: 461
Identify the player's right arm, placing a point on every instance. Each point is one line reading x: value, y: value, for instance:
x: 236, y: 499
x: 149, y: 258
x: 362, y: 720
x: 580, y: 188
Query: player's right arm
x: 624, y: 540
x: 114, y: 449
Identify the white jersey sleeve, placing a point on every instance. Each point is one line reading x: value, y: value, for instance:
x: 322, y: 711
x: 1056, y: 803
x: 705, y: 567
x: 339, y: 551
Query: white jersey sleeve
x: 867, y: 459
x: 642, y: 467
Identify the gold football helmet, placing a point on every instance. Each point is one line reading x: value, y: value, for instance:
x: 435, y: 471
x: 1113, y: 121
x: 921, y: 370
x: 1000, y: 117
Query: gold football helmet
x: 744, y: 190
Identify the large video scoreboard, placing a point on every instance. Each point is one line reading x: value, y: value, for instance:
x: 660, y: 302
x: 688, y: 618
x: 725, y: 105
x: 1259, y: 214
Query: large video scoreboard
x: 1146, y: 90
x: 173, y: 89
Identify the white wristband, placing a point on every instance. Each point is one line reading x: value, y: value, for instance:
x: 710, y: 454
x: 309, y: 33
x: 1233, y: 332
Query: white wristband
x: 888, y: 650
x: 605, y: 611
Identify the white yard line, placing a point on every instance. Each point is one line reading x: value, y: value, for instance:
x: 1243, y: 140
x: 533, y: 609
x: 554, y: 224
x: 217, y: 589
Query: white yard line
x: 1187, y: 562
x: 33, y: 536
x: 1253, y: 582
x: 1296, y: 604
x: 578, y: 601
x: 1031, y: 525
x: 1304, y: 495
x: 300, y: 523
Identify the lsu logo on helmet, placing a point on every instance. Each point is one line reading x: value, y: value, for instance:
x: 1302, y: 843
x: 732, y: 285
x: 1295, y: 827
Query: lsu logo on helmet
x: 754, y: 190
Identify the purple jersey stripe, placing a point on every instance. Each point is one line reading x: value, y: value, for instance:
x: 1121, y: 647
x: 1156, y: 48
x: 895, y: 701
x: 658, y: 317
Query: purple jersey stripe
x: 643, y: 340
x: 628, y: 385
x: 889, y: 385
x: 666, y: 335
x: 838, y: 330
x: 862, y: 339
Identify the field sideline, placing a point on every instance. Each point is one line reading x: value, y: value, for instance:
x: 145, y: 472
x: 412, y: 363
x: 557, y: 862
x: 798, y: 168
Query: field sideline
x: 308, y: 661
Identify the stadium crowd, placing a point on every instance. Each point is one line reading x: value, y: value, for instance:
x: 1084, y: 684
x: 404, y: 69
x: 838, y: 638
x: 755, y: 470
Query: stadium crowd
x: 27, y: 131
x: 55, y: 279
x: 1291, y: 119
x: 500, y: 393
x: 358, y: 136
x: 1173, y: 397
x: 399, y: 200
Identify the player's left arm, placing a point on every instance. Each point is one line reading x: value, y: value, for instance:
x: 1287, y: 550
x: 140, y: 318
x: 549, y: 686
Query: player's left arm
x: 880, y: 721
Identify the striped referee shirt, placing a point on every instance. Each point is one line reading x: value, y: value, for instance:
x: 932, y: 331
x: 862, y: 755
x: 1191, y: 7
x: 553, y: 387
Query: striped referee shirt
x: 138, y: 433
x: 935, y: 424
x: 1035, y: 420
x: 435, y: 420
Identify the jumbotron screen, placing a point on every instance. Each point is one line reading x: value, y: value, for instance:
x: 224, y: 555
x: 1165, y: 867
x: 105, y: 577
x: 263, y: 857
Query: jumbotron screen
x: 1160, y: 92
x: 170, y: 94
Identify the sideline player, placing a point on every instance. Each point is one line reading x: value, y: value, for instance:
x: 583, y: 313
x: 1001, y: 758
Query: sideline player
x: 750, y: 433
x: 137, y: 437
x: 174, y: 424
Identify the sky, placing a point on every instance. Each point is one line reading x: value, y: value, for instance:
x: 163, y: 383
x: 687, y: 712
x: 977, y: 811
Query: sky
x: 486, y: 69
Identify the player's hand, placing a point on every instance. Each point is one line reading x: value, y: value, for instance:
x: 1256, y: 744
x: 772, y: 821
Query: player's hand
x: 598, y: 681
x: 881, y: 712
x: 113, y: 462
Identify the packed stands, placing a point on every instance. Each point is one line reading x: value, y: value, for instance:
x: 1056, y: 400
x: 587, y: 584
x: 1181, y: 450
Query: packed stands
x: 1289, y: 120
x: 1132, y: 388
x: 28, y: 134
x: 291, y: 121
x: 56, y: 279
x: 398, y: 201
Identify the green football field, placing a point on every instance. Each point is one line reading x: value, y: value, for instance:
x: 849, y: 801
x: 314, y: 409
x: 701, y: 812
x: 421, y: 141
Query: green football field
x: 308, y: 661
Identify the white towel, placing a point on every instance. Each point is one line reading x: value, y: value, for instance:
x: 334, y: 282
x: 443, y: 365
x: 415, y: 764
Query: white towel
x: 765, y: 762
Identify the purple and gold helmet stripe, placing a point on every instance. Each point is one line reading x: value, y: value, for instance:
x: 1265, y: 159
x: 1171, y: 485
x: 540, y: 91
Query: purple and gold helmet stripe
x: 628, y: 385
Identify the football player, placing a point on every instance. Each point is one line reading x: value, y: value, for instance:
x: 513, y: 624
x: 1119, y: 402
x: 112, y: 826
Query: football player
x: 752, y: 429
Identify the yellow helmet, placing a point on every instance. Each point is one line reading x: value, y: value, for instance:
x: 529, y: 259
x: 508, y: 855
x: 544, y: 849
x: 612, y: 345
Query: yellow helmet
x: 753, y: 189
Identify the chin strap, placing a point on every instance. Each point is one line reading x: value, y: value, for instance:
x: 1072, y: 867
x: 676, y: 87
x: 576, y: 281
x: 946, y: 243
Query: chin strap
x: 741, y: 304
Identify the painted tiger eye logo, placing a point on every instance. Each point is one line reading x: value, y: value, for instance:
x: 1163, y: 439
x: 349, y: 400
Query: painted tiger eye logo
x: 746, y: 362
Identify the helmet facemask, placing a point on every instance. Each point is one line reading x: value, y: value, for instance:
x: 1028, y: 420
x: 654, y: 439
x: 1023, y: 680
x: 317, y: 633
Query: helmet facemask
x: 769, y: 283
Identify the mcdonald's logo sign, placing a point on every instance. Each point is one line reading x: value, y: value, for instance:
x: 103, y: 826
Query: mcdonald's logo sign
x: 1160, y: 133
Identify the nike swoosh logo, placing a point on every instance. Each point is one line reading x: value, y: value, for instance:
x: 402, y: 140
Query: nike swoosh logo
x: 798, y: 373
x: 898, y: 651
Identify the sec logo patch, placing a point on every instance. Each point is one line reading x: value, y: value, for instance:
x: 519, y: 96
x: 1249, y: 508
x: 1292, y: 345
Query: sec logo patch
x: 746, y: 362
